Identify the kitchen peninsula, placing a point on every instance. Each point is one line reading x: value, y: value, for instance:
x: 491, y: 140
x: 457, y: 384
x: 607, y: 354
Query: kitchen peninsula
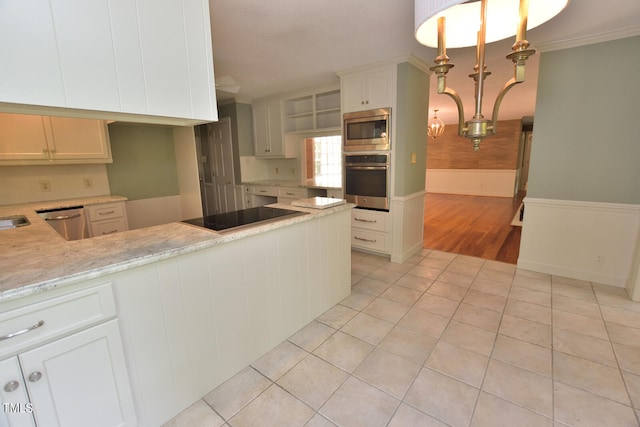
x: 187, y: 307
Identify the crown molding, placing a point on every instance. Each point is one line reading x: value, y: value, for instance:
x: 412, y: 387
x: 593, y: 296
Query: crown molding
x: 589, y: 39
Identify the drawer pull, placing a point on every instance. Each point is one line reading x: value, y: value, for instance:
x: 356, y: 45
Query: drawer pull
x: 364, y: 240
x: 11, y: 386
x: 23, y: 331
x: 106, y: 213
x: 104, y: 233
x: 291, y: 194
x: 35, y: 376
x: 365, y: 220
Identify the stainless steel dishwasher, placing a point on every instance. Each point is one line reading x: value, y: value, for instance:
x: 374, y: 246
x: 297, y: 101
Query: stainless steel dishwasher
x: 70, y: 222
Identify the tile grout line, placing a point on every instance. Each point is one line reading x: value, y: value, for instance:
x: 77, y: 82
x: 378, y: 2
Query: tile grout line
x: 615, y: 355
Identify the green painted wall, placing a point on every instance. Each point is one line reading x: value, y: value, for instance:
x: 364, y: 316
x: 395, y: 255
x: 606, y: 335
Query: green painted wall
x: 411, y: 129
x: 586, y: 145
x: 144, y: 161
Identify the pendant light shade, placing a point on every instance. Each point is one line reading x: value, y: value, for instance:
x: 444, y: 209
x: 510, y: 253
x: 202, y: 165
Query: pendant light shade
x: 463, y: 19
x: 460, y: 23
x: 436, y: 126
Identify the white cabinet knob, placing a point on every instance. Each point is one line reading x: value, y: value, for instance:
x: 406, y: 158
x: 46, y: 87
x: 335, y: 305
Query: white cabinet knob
x: 35, y: 376
x: 11, y: 386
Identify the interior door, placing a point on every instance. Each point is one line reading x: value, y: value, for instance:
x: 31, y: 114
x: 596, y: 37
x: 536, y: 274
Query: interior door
x: 221, y: 151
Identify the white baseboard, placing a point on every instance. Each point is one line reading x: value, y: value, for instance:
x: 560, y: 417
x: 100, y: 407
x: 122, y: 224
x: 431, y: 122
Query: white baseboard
x: 589, y: 241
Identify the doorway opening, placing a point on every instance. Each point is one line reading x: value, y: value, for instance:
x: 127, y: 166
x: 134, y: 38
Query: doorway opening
x: 477, y: 224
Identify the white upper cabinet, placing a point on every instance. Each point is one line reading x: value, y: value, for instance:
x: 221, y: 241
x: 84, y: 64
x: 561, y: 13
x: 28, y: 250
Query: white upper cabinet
x: 109, y: 59
x: 368, y: 90
x: 79, y: 139
x: 316, y: 109
x: 33, y: 140
x: 267, y: 128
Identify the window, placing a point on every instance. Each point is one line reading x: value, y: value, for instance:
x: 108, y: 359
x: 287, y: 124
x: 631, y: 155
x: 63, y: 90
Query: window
x: 324, y: 160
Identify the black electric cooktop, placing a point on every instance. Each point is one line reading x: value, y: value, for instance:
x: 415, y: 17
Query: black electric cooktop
x: 233, y: 220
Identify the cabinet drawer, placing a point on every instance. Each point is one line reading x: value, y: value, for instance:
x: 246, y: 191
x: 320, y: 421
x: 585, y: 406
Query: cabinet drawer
x: 263, y: 190
x: 292, y: 192
x: 102, y: 228
x: 105, y: 211
x: 372, y: 240
x: 370, y: 220
x: 36, y: 323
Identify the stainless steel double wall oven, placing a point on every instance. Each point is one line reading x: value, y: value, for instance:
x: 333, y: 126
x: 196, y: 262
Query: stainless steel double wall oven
x: 367, y: 145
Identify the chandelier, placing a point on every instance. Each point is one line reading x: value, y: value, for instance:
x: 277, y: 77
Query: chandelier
x: 432, y: 17
x: 436, y: 127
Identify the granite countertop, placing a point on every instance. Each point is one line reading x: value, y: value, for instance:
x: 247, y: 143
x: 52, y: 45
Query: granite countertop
x: 36, y: 258
x: 310, y: 183
x: 65, y: 203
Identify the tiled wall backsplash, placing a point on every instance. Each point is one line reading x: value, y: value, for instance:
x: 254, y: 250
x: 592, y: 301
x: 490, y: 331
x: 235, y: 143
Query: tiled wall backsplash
x: 26, y: 184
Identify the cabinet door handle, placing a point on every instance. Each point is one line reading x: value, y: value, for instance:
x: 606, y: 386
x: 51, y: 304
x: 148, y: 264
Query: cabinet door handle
x: 22, y: 331
x: 35, y: 376
x: 365, y: 220
x: 11, y: 386
x: 61, y: 217
x: 364, y: 240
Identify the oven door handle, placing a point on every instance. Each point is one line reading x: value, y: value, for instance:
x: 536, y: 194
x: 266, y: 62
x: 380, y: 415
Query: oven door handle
x: 367, y: 168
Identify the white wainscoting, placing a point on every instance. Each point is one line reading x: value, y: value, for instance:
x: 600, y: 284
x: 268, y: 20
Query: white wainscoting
x: 589, y: 241
x: 157, y: 210
x: 474, y: 182
x: 407, y: 226
x: 191, y: 322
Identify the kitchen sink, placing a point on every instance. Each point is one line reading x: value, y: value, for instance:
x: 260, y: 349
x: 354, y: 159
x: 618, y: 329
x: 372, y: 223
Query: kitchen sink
x: 13, y: 221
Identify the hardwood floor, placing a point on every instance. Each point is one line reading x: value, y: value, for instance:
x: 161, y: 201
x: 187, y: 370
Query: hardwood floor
x: 473, y: 225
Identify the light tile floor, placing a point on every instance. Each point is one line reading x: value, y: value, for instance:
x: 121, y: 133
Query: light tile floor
x: 446, y: 340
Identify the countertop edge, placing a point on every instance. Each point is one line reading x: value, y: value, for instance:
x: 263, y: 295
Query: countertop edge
x: 186, y: 239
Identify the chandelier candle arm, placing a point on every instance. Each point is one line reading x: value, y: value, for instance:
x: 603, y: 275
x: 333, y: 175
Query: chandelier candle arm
x: 518, y: 56
x: 480, y: 66
x: 521, y: 35
x: 441, y: 69
x: 428, y: 13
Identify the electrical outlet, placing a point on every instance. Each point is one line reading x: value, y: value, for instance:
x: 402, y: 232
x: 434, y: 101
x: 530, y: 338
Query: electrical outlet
x: 413, y: 158
x: 599, y: 260
x: 87, y: 182
x: 45, y: 185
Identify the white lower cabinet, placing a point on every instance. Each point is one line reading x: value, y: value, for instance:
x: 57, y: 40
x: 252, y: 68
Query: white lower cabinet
x: 80, y: 380
x: 107, y: 218
x: 370, y: 230
x: 286, y: 195
x: 260, y: 195
x: 16, y: 408
x: 70, y: 380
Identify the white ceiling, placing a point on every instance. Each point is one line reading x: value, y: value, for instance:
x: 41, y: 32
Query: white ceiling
x: 275, y: 46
